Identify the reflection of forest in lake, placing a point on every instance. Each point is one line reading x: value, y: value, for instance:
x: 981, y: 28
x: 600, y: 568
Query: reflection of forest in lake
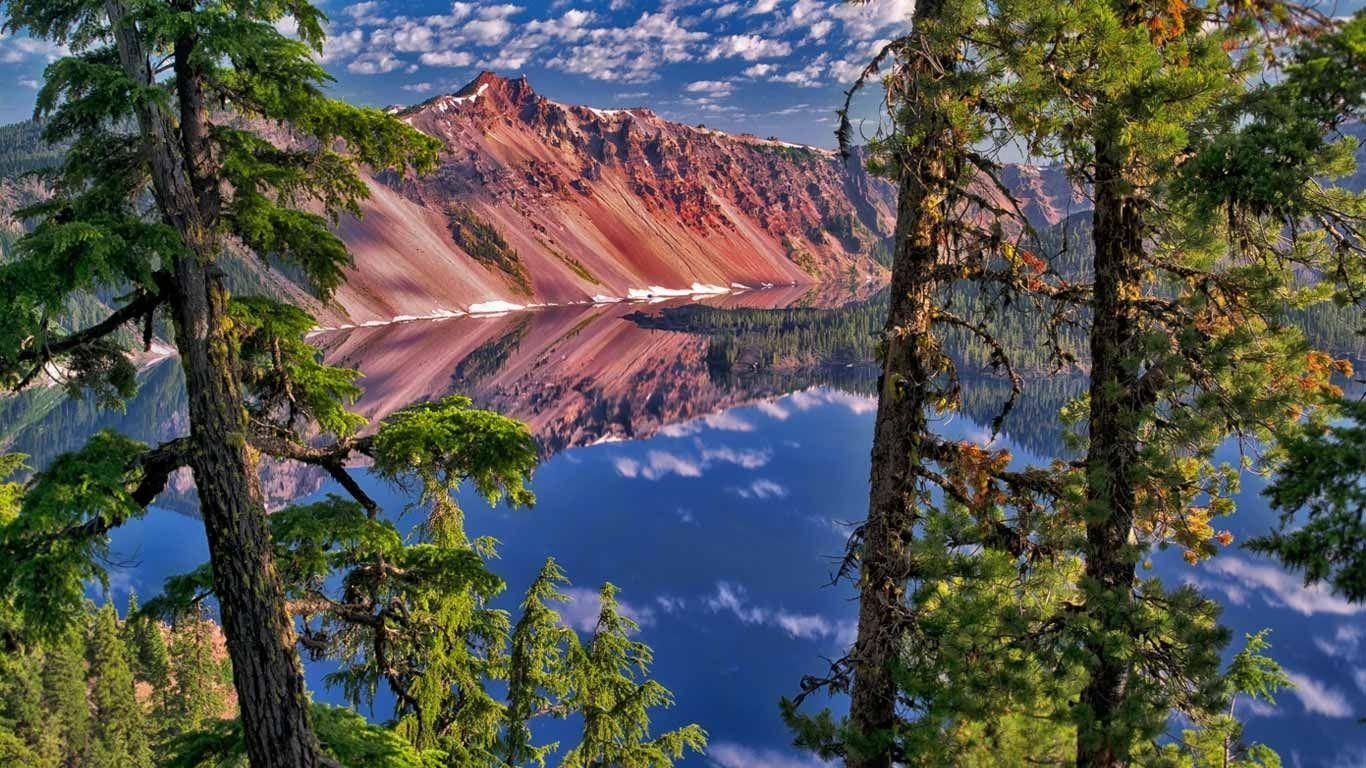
x: 706, y: 456
x: 576, y: 375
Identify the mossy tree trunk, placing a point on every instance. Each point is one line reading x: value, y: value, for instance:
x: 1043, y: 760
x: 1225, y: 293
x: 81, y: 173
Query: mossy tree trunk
x: 260, y: 636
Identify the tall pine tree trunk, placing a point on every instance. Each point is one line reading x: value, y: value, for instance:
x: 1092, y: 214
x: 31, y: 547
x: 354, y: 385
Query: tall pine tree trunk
x: 1102, y: 739
x: 260, y: 635
x: 909, y: 362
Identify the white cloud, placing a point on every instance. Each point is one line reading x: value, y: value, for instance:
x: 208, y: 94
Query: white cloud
x: 423, y: 87
x: 670, y: 604
x: 1281, y: 589
x: 1344, y: 644
x: 732, y: 598
x: 658, y: 464
x: 447, y: 59
x: 17, y: 49
x: 28, y: 82
x: 761, y: 7
x: 761, y: 489
x: 366, y: 13
x: 582, y: 609
x: 808, y: 76
x: 744, y: 458
x: 373, y: 63
x: 1318, y: 698
x: 816, y: 397
x: 748, y: 47
x: 630, y: 54
x: 342, y: 44
x: 488, y: 31
x: 717, y: 88
x: 865, y: 21
x: 731, y: 755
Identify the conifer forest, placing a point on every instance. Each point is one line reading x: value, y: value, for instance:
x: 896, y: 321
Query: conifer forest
x: 355, y: 416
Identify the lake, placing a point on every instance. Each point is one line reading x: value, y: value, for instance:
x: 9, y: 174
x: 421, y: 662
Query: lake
x: 717, y: 499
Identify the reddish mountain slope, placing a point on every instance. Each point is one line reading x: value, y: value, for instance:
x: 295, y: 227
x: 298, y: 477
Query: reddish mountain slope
x: 541, y: 202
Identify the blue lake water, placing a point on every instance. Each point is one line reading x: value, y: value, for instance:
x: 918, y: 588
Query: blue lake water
x: 719, y: 509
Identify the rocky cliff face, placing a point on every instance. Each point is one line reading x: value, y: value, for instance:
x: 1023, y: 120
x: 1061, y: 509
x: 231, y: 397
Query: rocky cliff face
x: 541, y: 202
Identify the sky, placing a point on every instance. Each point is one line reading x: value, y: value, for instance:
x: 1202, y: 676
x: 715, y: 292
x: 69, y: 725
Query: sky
x: 768, y: 67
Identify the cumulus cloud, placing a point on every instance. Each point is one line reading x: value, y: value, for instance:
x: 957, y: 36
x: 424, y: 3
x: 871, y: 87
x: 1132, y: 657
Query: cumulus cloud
x: 749, y: 459
x: 374, y: 63
x: 817, y: 397
x: 488, y: 31
x: 447, y: 59
x: 1318, y: 698
x: 865, y: 21
x: 717, y: 88
x: 342, y: 44
x: 748, y: 48
x: 1281, y: 589
x: 630, y: 54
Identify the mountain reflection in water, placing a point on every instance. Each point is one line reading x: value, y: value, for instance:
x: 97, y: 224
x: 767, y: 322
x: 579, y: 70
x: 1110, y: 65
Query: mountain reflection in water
x: 715, y: 486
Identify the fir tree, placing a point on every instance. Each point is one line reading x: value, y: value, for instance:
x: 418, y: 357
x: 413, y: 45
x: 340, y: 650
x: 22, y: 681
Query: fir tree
x: 612, y: 691
x: 164, y: 105
x: 538, y: 667
x: 118, y: 729
x: 196, y: 695
x: 65, y: 697
x: 151, y: 662
x: 1206, y: 212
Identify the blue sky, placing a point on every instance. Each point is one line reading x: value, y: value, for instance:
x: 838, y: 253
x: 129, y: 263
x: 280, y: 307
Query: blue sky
x: 771, y: 67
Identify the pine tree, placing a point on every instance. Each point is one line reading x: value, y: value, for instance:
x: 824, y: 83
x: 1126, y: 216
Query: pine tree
x: 65, y: 697
x: 167, y: 108
x: 1206, y: 212
x: 196, y: 678
x: 538, y: 667
x: 151, y: 661
x: 612, y: 691
x: 118, y: 729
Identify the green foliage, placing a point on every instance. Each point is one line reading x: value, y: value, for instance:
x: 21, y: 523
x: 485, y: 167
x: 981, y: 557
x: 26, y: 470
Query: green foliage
x: 482, y: 240
x: 286, y: 376
x: 1322, y: 480
x: 64, y: 697
x: 441, y: 444
x: 345, y: 736
x: 610, y: 688
x: 119, y: 733
x: 198, y: 676
x: 151, y: 661
x: 537, y: 666
x: 52, y: 548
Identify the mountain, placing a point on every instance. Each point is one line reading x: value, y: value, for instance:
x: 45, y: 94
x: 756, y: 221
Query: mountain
x: 538, y: 202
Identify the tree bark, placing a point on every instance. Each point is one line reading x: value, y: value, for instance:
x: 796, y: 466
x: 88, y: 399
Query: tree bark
x: 910, y: 361
x: 1102, y: 739
x: 260, y: 636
